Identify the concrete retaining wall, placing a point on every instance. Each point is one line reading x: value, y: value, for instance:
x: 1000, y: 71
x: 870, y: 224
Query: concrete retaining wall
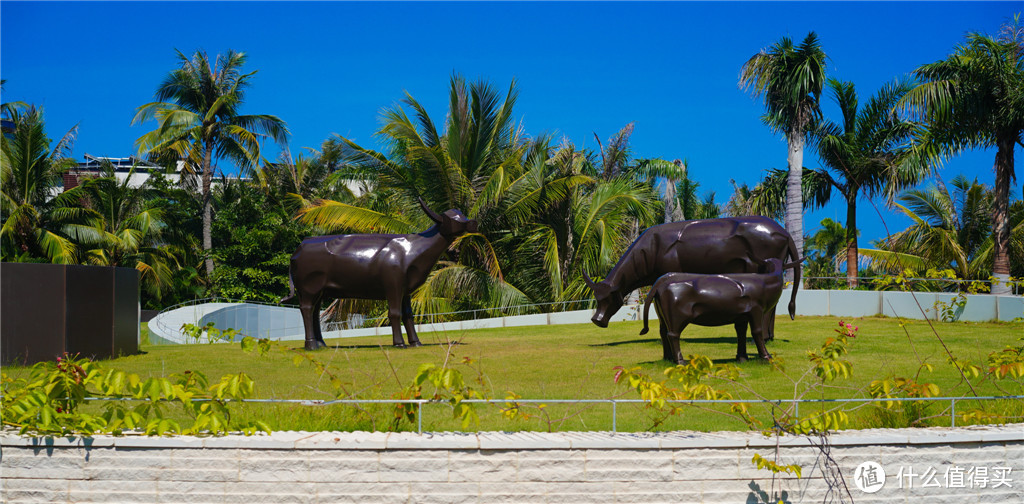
x: 307, y: 467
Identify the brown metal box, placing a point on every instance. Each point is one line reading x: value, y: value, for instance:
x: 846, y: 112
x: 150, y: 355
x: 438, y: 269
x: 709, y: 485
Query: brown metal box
x: 49, y: 309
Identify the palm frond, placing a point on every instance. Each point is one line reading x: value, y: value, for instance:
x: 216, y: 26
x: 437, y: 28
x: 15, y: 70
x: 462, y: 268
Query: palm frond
x: 334, y: 216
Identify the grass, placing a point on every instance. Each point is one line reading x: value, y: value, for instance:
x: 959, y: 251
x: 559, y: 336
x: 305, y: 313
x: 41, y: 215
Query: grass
x: 577, y: 361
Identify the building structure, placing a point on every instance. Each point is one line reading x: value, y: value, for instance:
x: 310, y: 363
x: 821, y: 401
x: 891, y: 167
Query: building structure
x: 137, y: 171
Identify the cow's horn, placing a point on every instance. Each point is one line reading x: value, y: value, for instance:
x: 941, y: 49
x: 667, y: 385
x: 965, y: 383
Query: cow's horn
x: 430, y: 213
x: 590, y: 283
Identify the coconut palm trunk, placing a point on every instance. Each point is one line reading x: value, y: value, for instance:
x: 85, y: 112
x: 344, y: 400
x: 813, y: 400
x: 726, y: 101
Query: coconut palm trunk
x: 851, y: 240
x: 1000, y: 218
x: 208, y: 208
x: 794, y: 192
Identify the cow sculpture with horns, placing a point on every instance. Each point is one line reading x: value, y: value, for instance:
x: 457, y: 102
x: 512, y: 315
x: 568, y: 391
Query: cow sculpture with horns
x: 371, y: 266
x: 709, y: 246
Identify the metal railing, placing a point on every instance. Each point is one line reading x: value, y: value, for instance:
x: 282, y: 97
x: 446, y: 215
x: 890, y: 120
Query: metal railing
x: 1016, y: 286
x: 421, y: 318
x: 795, y: 403
x: 441, y: 317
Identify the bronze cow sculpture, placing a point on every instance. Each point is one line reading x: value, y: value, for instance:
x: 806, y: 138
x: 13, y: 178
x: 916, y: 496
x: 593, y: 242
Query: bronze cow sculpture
x: 371, y: 266
x: 709, y: 246
x: 715, y: 300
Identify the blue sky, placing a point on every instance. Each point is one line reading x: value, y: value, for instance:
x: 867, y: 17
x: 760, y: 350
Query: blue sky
x: 581, y: 67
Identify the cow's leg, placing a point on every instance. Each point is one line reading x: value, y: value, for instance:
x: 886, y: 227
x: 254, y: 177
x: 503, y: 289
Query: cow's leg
x: 663, y: 321
x: 407, y: 319
x: 757, y: 332
x: 741, y: 340
x: 666, y: 347
x: 309, y: 307
x: 316, y: 323
x: 769, y: 324
x: 395, y: 317
x: 673, y: 342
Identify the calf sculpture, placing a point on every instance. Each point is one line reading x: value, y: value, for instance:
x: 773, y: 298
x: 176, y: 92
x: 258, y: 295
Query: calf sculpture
x: 715, y: 300
x: 710, y: 246
x: 371, y: 266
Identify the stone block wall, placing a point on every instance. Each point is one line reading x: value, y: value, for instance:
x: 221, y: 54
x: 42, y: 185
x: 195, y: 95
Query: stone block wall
x: 304, y: 467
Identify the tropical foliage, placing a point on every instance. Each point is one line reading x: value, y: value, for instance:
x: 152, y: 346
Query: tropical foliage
x: 690, y: 205
x: 975, y: 99
x: 549, y: 211
x: 120, y: 225
x: 826, y: 252
x: 950, y: 230
x: 29, y: 171
x: 199, y: 121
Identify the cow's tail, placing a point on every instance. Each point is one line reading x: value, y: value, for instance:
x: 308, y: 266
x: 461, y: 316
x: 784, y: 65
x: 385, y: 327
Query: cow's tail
x: 647, y: 309
x: 291, y: 289
x: 796, y: 276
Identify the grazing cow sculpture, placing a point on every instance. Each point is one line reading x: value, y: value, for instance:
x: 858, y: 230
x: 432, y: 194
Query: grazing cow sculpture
x: 371, y: 266
x: 709, y: 246
x: 715, y: 300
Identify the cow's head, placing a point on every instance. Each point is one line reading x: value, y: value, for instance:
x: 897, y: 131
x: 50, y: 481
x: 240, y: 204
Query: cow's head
x: 609, y: 300
x: 451, y: 223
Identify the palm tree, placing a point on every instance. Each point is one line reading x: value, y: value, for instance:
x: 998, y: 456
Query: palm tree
x: 617, y: 161
x: 949, y: 231
x: 741, y: 202
x: 674, y: 211
x: 689, y: 204
x: 768, y: 197
x: 294, y: 183
x: 8, y: 111
x: 480, y: 163
x: 826, y: 251
x: 790, y: 80
x: 975, y: 99
x: 867, y: 153
x: 621, y: 200
x: 198, y: 115
x: 121, y: 226
x: 545, y: 212
x: 30, y: 172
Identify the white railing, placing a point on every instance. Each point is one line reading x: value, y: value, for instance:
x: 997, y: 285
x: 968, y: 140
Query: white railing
x: 795, y: 403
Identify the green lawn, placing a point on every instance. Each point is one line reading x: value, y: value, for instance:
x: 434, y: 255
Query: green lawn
x: 576, y: 362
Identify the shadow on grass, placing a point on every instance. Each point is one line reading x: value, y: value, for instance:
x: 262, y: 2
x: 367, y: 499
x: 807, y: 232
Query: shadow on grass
x: 751, y: 360
x: 710, y: 341
x: 391, y: 347
x: 627, y: 342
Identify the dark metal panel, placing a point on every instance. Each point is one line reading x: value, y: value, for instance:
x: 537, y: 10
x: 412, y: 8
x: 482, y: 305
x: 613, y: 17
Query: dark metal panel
x: 126, y: 311
x: 90, y: 311
x: 32, y: 312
